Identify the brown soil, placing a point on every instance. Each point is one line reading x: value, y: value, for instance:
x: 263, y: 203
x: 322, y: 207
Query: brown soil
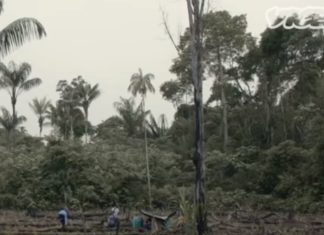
x: 266, y: 223
x: 228, y: 223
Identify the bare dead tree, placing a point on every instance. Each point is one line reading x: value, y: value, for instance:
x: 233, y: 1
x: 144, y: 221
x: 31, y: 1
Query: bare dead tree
x: 195, y: 13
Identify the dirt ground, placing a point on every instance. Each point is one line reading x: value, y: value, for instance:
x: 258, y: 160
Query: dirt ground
x: 17, y: 223
x: 266, y: 223
x: 228, y: 223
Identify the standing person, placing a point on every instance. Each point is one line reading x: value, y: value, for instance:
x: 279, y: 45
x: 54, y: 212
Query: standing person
x: 63, y: 216
x: 115, y: 210
x: 113, y: 220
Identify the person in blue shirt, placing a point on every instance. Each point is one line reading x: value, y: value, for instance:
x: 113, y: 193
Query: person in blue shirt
x: 63, y: 216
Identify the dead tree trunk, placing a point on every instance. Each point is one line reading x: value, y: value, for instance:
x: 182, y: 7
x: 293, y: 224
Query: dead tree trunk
x: 195, y: 11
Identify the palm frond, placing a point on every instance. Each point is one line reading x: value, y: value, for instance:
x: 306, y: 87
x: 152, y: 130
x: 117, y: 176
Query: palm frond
x: 29, y: 84
x: 78, y: 81
x: 4, y: 70
x: 150, y: 87
x: 18, y: 32
x: 5, y: 112
x: 140, y: 84
x: 40, y: 106
x: 12, y: 66
x: 94, y: 92
x: 149, y: 76
x: 34, y: 106
x: 61, y: 85
x: 152, y: 124
x: 8, y: 121
x: 23, y: 71
x: 133, y: 86
x: 5, y: 82
x: 131, y: 116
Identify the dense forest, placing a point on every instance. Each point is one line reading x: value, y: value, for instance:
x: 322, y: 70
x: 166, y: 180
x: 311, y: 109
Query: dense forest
x: 263, y: 125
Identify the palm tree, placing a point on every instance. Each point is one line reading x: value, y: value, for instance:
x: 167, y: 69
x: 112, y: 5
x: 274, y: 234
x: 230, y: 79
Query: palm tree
x: 58, y: 119
x: 87, y: 94
x: 67, y: 119
x: 9, y: 123
x: 18, y: 32
x: 68, y: 101
x: 132, y: 117
x: 40, y: 108
x: 15, y: 80
x: 157, y: 128
x: 141, y: 84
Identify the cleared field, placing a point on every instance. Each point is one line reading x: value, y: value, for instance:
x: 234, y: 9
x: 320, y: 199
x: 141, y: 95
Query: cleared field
x: 228, y: 223
x: 17, y: 223
x: 267, y: 223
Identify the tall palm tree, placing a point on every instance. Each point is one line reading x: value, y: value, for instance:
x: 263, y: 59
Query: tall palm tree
x: 9, y: 123
x: 141, y: 84
x: 18, y: 32
x: 40, y: 108
x: 87, y: 94
x: 14, y: 80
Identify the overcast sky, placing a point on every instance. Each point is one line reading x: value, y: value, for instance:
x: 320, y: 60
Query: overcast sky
x: 106, y: 41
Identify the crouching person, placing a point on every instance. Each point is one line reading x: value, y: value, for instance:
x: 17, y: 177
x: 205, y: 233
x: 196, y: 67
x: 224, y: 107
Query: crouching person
x: 63, y: 216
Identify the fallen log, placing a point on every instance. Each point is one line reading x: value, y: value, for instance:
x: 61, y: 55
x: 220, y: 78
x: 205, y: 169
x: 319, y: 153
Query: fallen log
x: 158, y: 217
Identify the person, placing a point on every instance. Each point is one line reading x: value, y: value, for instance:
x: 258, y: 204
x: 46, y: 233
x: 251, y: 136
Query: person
x: 63, y: 216
x: 115, y: 210
x: 138, y: 222
x: 113, y: 220
x: 148, y: 223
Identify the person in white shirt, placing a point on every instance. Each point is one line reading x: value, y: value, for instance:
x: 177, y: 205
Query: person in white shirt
x: 63, y: 216
x: 113, y: 220
x: 115, y: 211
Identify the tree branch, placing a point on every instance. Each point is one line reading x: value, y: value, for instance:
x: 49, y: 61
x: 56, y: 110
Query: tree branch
x: 190, y: 14
x: 201, y: 8
x: 167, y: 30
x: 248, y: 86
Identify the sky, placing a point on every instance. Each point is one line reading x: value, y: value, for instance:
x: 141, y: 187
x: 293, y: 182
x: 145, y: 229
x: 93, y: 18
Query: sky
x: 106, y: 41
